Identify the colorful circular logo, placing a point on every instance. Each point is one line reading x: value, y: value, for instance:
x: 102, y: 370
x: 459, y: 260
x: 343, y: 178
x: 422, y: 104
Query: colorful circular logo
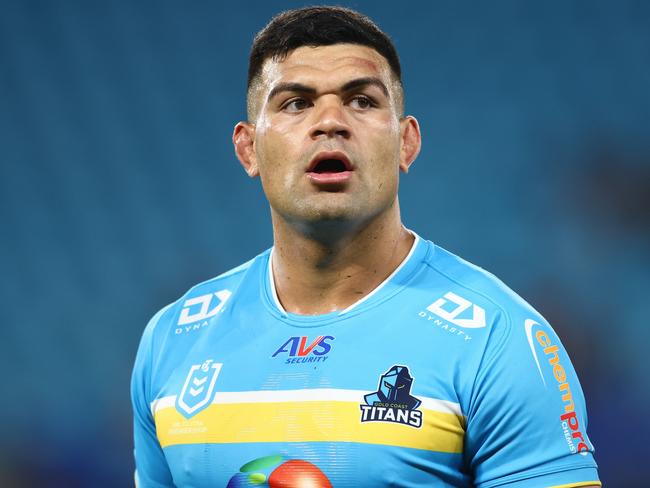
x: 279, y: 472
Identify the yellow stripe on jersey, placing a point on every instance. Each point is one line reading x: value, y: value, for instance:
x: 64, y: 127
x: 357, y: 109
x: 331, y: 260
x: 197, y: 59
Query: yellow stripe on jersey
x: 306, y: 421
x: 579, y: 484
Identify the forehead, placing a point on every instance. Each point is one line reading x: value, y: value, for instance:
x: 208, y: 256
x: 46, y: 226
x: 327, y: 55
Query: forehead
x: 318, y: 63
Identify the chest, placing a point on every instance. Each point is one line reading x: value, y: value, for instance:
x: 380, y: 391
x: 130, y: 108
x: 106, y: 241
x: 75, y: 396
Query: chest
x: 367, y: 401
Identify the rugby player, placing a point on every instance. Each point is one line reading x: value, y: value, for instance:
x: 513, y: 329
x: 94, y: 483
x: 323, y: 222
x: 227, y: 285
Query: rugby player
x: 354, y: 352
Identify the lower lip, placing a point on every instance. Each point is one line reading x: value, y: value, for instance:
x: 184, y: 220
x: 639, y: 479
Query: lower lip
x: 330, y: 178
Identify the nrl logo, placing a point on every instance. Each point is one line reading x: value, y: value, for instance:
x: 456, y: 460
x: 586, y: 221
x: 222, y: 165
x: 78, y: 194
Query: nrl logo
x: 198, y: 389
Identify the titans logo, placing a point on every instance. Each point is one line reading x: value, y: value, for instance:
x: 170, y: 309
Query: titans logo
x: 393, y: 402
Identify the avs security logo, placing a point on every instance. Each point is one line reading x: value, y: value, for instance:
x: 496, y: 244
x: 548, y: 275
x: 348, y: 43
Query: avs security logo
x: 452, y: 313
x: 197, y: 310
x: 198, y: 388
x: 393, y: 402
x: 302, y: 350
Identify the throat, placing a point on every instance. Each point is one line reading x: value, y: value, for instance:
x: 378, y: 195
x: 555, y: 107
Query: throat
x: 309, y: 284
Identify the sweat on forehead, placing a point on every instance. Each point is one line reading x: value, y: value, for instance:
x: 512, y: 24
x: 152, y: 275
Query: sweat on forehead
x: 341, y: 67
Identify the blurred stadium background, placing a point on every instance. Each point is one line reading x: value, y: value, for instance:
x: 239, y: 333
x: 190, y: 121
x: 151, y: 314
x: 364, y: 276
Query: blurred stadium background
x: 119, y: 190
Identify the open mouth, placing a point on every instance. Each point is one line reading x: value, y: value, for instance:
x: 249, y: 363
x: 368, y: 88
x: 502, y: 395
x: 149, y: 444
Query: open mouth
x: 329, y: 166
x: 330, y: 169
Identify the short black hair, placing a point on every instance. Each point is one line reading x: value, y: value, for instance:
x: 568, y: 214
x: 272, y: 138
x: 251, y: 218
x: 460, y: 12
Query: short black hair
x: 318, y: 26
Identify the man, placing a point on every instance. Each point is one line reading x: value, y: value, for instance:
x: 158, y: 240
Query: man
x: 353, y: 353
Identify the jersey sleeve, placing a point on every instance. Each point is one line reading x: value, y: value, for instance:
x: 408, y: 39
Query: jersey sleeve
x: 151, y: 469
x: 526, y: 422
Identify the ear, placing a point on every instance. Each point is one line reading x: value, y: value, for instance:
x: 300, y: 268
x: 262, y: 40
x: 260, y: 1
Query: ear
x: 410, y: 143
x: 243, y: 138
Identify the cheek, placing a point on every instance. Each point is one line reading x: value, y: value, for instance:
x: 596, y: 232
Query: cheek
x: 385, y: 132
x: 277, y: 160
x: 385, y: 163
x: 385, y: 148
x: 277, y: 139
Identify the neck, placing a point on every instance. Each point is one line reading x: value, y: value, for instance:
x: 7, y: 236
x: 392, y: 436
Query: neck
x: 315, y: 275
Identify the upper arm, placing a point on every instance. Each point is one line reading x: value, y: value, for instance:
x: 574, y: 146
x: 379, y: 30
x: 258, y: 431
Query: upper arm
x: 527, y: 419
x: 151, y: 466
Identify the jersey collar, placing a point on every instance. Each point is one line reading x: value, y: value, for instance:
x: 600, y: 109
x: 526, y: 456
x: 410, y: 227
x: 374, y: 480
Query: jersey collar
x: 393, y: 283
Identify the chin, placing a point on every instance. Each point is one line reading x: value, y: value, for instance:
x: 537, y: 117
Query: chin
x: 322, y: 218
x: 328, y: 216
x: 328, y: 207
x: 335, y: 210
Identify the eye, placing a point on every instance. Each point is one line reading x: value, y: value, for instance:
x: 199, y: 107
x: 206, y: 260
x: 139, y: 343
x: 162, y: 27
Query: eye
x: 362, y: 102
x: 295, y: 105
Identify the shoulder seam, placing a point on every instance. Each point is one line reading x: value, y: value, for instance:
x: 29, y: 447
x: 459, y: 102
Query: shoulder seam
x: 155, y: 320
x: 488, y: 298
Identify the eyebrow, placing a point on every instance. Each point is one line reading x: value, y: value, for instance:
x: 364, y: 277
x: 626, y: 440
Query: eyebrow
x: 367, y: 81
x: 290, y: 87
x: 349, y: 86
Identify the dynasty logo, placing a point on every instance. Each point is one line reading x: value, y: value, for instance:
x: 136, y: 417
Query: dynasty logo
x: 393, y: 402
x: 196, y: 311
x: 300, y: 350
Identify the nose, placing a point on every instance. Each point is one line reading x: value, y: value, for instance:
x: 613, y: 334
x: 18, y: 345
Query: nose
x: 330, y: 120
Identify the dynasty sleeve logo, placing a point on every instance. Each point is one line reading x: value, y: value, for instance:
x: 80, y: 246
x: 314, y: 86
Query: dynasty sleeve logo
x: 456, y: 315
x: 198, y: 308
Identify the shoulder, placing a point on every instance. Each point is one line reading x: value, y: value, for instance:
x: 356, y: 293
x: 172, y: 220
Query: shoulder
x: 203, y: 300
x: 507, y: 329
x: 471, y: 296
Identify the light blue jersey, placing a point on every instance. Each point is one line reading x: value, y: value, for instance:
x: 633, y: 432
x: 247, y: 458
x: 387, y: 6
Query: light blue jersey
x: 442, y: 376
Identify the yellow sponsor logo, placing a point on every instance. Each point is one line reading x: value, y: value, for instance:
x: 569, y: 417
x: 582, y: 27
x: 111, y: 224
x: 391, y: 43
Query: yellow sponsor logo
x: 569, y: 419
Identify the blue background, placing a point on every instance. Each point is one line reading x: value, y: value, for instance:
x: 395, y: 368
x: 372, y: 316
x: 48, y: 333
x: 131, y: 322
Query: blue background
x: 119, y: 190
